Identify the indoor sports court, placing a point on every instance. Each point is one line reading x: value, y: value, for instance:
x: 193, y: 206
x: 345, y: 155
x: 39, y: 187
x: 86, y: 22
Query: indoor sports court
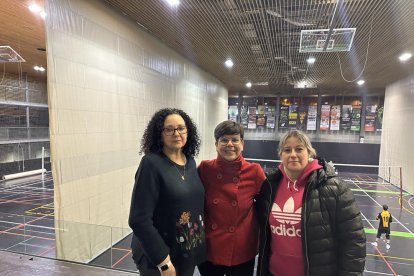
x: 80, y: 82
x: 28, y: 226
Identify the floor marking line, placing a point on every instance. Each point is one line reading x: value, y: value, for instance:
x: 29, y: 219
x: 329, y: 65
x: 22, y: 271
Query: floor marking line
x: 25, y: 235
x: 386, y: 262
x: 121, y: 249
x: 380, y: 205
x: 378, y: 191
x: 377, y: 272
x: 391, y: 257
x: 123, y: 257
x: 393, y: 233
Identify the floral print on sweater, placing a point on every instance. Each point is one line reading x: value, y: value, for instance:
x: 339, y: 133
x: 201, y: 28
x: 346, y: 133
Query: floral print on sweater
x: 190, y: 234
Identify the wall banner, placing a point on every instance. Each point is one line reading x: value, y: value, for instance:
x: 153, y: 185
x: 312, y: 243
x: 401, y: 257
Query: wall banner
x: 284, y: 116
x: 346, y: 117
x: 271, y: 116
x: 302, y: 119
x: 312, y: 115
x: 293, y: 115
x: 325, y: 112
x: 335, y: 117
x: 233, y: 112
x: 370, y: 114
x: 244, y: 117
x: 356, y: 118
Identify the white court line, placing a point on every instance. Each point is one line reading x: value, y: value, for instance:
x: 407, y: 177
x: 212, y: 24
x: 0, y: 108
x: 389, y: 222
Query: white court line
x: 35, y: 226
x: 368, y: 182
x: 8, y: 248
x: 368, y: 221
x: 34, y: 232
x: 41, y: 188
x: 30, y: 245
x: 393, y: 217
x: 25, y: 181
x: 26, y: 191
x: 382, y: 273
x: 409, y: 202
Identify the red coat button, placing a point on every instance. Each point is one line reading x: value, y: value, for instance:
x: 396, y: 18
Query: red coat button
x: 215, y: 201
x: 231, y: 229
x: 219, y: 176
x: 214, y: 226
x: 234, y: 203
x: 235, y: 179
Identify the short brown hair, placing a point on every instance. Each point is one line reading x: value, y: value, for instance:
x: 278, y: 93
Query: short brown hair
x: 228, y: 128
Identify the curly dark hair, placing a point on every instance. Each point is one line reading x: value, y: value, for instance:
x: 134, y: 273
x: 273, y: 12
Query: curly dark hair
x: 151, y: 140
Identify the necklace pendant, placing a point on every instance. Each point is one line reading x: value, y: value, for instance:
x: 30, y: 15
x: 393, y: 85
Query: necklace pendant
x: 182, y: 177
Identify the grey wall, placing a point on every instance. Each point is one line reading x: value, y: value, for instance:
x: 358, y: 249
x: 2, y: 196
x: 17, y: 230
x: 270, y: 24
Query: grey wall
x: 397, y: 137
x: 343, y: 153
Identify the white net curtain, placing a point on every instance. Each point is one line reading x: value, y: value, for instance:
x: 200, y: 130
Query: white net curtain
x: 105, y: 80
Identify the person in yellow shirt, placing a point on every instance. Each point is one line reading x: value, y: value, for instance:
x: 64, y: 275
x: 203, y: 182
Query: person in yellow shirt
x: 385, y: 219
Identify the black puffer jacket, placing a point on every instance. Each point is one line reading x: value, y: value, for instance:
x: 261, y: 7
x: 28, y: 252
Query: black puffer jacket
x: 333, y: 237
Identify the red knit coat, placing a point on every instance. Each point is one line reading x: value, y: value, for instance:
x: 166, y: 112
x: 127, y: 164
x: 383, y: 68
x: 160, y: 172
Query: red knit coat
x: 231, y: 224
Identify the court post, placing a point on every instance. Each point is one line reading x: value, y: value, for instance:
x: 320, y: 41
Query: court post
x: 401, y: 188
x: 43, y: 163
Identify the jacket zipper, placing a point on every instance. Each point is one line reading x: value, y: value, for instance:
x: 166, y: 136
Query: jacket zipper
x: 304, y: 229
x: 311, y: 184
x: 266, y: 225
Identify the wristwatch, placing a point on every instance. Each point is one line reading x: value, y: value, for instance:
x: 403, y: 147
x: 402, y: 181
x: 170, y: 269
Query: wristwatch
x: 165, y: 266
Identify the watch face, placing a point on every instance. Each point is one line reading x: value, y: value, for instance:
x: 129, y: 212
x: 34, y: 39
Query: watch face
x: 164, y: 267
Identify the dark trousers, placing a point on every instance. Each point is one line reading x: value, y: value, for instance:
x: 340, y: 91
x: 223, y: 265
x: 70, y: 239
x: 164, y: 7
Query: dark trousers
x: 210, y: 269
x: 385, y: 231
x: 155, y: 272
x: 145, y: 269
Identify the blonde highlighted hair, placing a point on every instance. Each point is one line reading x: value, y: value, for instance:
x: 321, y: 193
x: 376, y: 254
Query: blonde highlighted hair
x: 302, y: 138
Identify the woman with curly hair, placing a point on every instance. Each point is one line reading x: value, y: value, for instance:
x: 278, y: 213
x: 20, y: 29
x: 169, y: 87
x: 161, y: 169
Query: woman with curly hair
x: 167, y: 203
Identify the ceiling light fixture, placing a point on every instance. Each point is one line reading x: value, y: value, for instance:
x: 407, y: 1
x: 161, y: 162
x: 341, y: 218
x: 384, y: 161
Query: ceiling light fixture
x: 35, y: 8
x: 404, y: 57
x: 360, y: 82
x: 173, y: 2
x: 249, y: 84
x: 264, y: 83
x: 311, y: 60
x: 42, y: 14
x: 304, y: 84
x: 39, y: 68
x: 229, y: 63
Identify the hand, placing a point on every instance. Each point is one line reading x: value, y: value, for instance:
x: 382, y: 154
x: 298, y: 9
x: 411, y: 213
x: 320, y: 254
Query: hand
x: 170, y: 271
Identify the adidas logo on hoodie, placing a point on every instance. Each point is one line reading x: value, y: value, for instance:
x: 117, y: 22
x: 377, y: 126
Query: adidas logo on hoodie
x: 287, y: 217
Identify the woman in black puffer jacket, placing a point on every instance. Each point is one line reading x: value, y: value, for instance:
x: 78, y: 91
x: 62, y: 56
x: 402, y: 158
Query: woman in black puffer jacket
x: 310, y: 221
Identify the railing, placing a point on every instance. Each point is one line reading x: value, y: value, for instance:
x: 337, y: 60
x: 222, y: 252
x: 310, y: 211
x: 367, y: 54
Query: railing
x: 389, y: 174
x: 19, y: 134
x: 41, y: 235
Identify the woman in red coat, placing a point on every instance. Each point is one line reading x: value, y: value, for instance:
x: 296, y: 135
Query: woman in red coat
x: 230, y: 184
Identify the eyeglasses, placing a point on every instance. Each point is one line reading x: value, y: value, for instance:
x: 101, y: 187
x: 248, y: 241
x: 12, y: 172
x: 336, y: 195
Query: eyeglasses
x: 169, y: 131
x: 225, y: 141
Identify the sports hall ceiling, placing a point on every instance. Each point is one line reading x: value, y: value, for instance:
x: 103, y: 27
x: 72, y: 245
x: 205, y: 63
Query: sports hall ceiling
x: 25, y: 33
x: 262, y: 37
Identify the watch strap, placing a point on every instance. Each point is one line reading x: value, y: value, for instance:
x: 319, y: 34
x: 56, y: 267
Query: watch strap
x: 165, y: 266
